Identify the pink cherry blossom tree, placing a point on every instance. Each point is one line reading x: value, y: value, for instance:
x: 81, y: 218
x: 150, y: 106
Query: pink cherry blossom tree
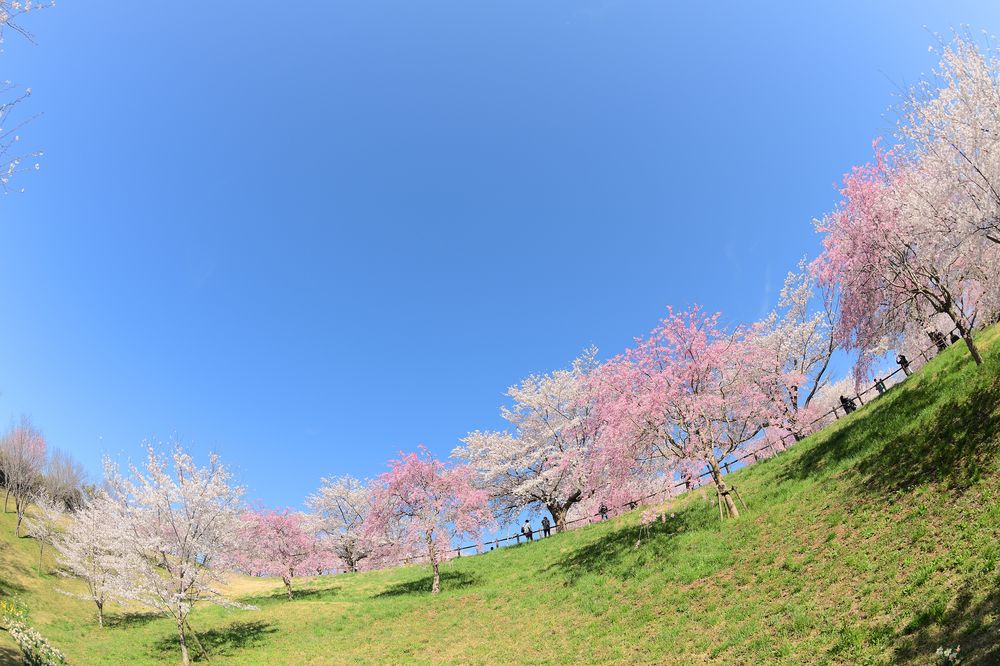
x: 276, y: 543
x: 22, y: 459
x: 691, y: 393
x: 427, y: 503
x: 544, y: 462
x: 897, y: 257
x: 618, y: 491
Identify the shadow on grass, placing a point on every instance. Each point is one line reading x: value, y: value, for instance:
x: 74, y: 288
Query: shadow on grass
x: 627, y: 551
x: 969, y: 625
x: 9, y: 588
x: 218, y: 642
x: 10, y: 567
x: 10, y: 656
x: 450, y: 580
x: 917, y: 436
x: 958, y: 444
x: 314, y: 594
x: 129, y: 620
x: 305, y: 594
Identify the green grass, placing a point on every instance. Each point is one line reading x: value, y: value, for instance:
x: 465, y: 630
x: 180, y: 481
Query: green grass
x: 873, y: 542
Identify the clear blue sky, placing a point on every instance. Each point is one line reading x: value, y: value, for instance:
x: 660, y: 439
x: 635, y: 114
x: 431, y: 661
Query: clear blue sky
x: 308, y: 235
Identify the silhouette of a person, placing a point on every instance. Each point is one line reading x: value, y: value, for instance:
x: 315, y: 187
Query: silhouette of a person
x: 904, y: 363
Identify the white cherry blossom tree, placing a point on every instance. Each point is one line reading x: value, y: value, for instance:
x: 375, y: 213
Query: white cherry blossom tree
x: 14, y: 160
x: 43, y: 525
x: 542, y: 463
x: 91, y: 549
x: 798, y: 339
x: 341, y: 506
x: 177, y: 520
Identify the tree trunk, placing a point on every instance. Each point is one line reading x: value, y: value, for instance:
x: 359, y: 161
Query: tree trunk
x: 436, y: 583
x: 185, y: 659
x: 973, y: 349
x: 723, y: 490
x: 41, y: 547
x: 100, y: 612
x: 432, y: 551
x: 559, y: 513
x: 967, y: 336
x: 560, y: 510
x: 5, y: 498
x: 288, y: 585
x: 349, y: 559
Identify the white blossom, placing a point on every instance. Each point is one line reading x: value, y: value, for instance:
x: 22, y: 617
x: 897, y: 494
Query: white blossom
x: 177, y: 520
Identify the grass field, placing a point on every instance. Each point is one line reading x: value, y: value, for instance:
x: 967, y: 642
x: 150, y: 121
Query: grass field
x: 873, y: 542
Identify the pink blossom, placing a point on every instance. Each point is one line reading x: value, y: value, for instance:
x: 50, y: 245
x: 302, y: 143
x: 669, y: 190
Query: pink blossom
x: 422, y: 501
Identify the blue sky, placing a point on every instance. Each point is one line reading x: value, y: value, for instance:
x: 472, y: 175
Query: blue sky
x: 310, y: 235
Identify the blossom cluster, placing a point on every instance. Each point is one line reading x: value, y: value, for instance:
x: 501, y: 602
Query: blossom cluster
x: 35, y: 649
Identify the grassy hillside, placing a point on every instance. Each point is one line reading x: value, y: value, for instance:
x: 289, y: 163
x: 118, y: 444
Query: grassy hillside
x: 873, y: 542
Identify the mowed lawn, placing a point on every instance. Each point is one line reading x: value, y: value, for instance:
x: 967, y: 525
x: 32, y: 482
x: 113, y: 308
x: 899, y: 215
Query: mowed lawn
x: 873, y: 542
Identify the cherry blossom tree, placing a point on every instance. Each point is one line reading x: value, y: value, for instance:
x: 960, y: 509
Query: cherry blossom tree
x: 797, y: 339
x: 177, y: 521
x: 22, y: 458
x: 341, y: 506
x: 91, y: 549
x: 13, y: 11
x: 43, y: 526
x: 12, y: 160
x: 276, y: 543
x: 819, y: 414
x: 544, y: 462
x: 949, y: 129
x: 691, y: 393
x: 897, y: 258
x: 427, y: 502
x: 951, y: 123
x: 626, y: 489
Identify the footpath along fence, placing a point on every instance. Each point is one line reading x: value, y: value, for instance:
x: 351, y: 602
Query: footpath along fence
x: 879, y: 387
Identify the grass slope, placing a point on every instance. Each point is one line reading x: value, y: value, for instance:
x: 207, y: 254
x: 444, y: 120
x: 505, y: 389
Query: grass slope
x: 873, y: 542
